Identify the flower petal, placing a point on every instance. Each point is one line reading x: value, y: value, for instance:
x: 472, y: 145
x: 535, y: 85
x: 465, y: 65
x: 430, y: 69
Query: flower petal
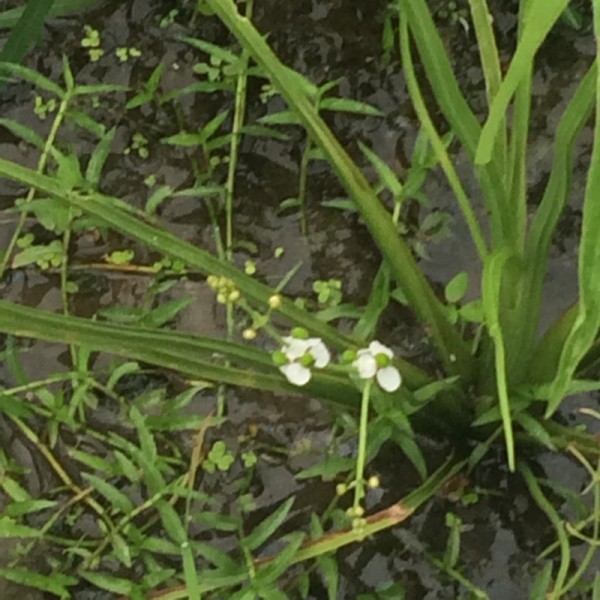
x: 294, y: 348
x: 296, y: 373
x: 376, y: 348
x: 320, y: 353
x: 366, y: 366
x: 389, y: 378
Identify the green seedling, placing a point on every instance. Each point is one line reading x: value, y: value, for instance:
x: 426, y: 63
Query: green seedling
x: 219, y: 458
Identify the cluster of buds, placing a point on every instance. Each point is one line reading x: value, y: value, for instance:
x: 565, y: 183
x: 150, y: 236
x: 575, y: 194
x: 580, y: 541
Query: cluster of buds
x: 356, y: 511
x: 226, y: 290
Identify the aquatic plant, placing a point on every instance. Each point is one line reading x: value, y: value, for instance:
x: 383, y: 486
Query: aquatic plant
x: 504, y: 380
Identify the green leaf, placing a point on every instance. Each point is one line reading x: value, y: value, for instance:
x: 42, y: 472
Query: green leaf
x: 216, y: 556
x: 98, y: 158
x: 282, y: 561
x: 55, y: 583
x: 183, y: 139
x: 27, y: 507
x: 284, y: 117
x: 350, y: 106
x: 26, y: 31
x: 456, y: 288
x: 127, y: 467
x: 165, y: 312
x: 171, y: 522
x: 189, y: 571
x: 266, y: 528
x: 158, y: 196
x: 116, y: 585
x: 13, y: 489
x: 387, y: 177
x: 10, y: 528
x: 212, y: 49
x: 95, y: 462
x: 33, y: 77
x: 328, y: 469
x: 535, y: 429
x: 219, y: 521
x: 116, y: 498
x: 24, y: 132
x: 540, y: 18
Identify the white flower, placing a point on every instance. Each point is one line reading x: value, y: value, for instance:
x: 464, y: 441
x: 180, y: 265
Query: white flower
x: 300, y: 355
x: 375, y: 361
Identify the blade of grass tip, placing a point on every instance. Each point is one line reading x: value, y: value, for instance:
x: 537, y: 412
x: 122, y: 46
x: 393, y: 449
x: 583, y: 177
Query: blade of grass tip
x: 436, y: 142
x: 455, y: 108
x: 539, y: 20
x: 490, y: 62
x: 516, y: 206
x: 491, y: 284
x: 451, y: 347
x: 26, y: 32
x: 587, y: 322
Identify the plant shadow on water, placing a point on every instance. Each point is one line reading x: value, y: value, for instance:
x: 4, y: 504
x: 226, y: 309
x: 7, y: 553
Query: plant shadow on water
x: 501, y: 530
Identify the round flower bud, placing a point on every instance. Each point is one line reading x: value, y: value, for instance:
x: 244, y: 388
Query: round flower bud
x: 213, y: 281
x: 275, y: 302
x: 341, y: 489
x: 373, y: 482
x: 300, y: 333
x: 234, y: 296
x: 279, y: 358
x: 221, y: 298
x: 249, y: 334
x: 348, y: 356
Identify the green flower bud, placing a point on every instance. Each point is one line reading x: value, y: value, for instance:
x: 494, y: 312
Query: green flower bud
x: 300, y: 333
x: 348, y: 356
x: 279, y: 358
x: 382, y: 360
x: 308, y: 360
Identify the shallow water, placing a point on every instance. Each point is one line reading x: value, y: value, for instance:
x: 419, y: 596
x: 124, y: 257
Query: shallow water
x: 325, y: 40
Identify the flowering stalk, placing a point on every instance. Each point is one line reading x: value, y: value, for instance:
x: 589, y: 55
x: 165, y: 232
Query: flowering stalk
x: 361, y: 459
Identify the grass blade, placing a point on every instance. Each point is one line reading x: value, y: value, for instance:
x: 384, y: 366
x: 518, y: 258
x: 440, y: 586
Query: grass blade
x: 491, y: 284
x: 587, y: 322
x: 538, y: 21
x: 26, y: 31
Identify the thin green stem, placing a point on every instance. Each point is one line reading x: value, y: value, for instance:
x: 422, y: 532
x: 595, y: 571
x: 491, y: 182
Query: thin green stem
x: 361, y: 459
x: 554, y: 518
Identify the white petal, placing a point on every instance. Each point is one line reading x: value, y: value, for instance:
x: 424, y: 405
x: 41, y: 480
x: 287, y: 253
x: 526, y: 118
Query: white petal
x: 294, y: 348
x: 320, y: 353
x: 296, y: 373
x: 366, y: 366
x: 376, y: 348
x: 389, y: 378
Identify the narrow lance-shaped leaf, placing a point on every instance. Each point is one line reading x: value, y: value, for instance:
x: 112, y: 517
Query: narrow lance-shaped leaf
x: 587, y: 322
x: 539, y: 20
